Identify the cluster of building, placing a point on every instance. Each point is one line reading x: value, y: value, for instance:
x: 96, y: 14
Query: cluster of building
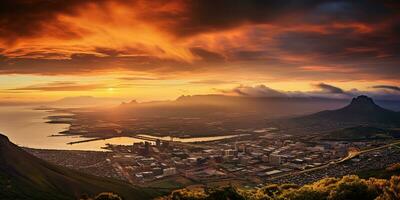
x: 360, y: 165
x: 262, y: 157
x: 256, y: 158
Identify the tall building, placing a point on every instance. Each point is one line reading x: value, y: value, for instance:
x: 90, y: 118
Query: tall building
x: 147, y: 148
x: 275, y: 159
x: 158, y: 143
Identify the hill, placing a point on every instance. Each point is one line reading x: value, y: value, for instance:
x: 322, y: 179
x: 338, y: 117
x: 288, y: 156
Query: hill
x: 361, y: 110
x: 23, y: 176
x: 362, y: 133
x: 84, y: 101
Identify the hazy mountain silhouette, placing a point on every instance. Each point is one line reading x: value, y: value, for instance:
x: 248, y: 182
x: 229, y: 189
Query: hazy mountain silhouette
x: 362, y: 109
x: 85, y: 101
x: 264, y: 106
x: 23, y: 176
x: 205, y: 105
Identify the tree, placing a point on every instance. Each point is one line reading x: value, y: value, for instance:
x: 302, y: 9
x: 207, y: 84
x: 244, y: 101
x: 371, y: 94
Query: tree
x: 107, y: 196
x: 227, y: 193
x: 352, y: 187
x: 391, y: 192
x: 304, y: 194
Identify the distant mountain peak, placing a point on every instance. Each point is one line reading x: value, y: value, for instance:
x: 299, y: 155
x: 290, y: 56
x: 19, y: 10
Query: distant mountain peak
x: 3, y: 139
x: 364, y: 103
x: 362, y: 109
x: 362, y: 99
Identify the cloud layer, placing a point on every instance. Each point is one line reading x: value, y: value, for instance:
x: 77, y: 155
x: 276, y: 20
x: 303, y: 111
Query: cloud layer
x: 324, y: 90
x: 312, y: 39
x: 59, y: 86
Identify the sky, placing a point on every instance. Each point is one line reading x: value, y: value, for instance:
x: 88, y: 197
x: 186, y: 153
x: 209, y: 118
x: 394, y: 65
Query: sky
x: 161, y: 49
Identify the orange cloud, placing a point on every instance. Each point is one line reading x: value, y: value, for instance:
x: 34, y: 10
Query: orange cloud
x: 245, y: 38
x: 335, y: 69
x: 60, y: 86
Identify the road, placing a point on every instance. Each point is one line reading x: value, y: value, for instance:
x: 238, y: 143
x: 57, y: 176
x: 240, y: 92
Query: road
x: 350, y: 155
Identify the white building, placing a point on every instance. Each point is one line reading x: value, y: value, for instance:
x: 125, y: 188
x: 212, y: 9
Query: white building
x: 229, y: 152
x: 169, y: 171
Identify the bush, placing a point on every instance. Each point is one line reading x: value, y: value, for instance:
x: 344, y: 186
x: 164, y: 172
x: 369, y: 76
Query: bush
x: 101, y: 196
x: 345, y: 188
x: 352, y: 188
x: 393, y: 168
x: 185, y: 194
x: 304, y: 194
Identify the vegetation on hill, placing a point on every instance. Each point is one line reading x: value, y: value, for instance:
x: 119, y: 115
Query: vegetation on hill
x: 385, y: 173
x: 362, y: 133
x: 23, y: 176
x: 345, y: 188
x: 102, y: 196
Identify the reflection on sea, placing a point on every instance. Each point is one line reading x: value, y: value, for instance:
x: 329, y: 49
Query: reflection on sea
x: 26, y: 127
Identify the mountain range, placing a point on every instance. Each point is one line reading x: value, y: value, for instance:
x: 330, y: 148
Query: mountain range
x: 268, y: 107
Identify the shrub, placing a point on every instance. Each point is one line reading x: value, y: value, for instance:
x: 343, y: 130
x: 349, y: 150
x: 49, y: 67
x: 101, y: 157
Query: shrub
x: 345, y: 188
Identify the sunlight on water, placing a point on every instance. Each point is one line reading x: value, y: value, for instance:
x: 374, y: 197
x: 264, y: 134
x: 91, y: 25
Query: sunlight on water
x: 193, y: 139
x: 26, y: 127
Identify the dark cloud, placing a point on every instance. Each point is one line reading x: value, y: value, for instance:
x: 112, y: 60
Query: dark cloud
x: 84, y: 63
x: 330, y: 88
x: 206, y: 55
x: 22, y: 18
x: 26, y: 17
x: 340, y: 45
x: 350, y: 11
x: 211, y: 15
x: 246, y: 55
x: 388, y: 87
x: 112, y: 52
x: 328, y: 91
x: 362, y: 35
x: 375, y: 52
x: 256, y: 91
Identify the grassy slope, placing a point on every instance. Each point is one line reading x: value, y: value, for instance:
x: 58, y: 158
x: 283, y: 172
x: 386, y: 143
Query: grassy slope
x: 23, y: 176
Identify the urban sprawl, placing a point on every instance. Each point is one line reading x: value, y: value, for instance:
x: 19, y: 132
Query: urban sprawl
x: 253, y: 158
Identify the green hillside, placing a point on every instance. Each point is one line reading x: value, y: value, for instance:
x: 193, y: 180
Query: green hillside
x: 362, y: 133
x: 23, y: 176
